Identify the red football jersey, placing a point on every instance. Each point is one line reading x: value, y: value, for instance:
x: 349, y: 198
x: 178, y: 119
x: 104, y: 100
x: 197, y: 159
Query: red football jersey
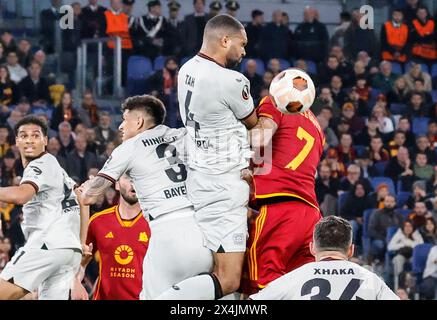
x: 297, y: 146
x: 122, y: 245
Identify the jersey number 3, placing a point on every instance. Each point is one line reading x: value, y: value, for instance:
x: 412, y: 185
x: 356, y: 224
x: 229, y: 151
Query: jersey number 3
x: 163, y: 151
x: 302, y: 134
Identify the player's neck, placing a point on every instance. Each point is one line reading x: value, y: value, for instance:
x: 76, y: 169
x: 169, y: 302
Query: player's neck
x: 127, y: 211
x: 213, y: 55
x: 330, y: 255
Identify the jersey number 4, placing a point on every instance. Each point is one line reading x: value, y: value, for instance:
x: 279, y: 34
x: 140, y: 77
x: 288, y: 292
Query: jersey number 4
x: 302, y: 134
x: 169, y: 152
x: 325, y: 289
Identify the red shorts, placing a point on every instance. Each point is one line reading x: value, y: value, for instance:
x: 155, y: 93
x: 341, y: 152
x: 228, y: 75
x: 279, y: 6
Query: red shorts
x: 278, y: 242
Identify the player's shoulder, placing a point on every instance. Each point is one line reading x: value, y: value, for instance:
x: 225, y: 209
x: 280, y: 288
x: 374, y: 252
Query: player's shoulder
x: 44, y: 164
x: 104, y: 214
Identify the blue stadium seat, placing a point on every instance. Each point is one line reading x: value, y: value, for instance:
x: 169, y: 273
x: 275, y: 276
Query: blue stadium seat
x: 402, y: 198
x: 434, y: 95
x: 360, y: 149
x: 424, y: 67
x: 284, y: 64
x: 420, y: 125
x: 184, y: 59
x: 396, y: 68
x: 311, y: 66
x: 405, y: 213
x: 398, y: 108
x: 378, y: 180
x: 341, y: 200
x: 390, y: 233
x: 365, y: 233
x: 260, y: 68
x: 434, y: 70
x: 158, y: 63
x: 380, y: 167
x: 139, y: 68
x: 420, y: 255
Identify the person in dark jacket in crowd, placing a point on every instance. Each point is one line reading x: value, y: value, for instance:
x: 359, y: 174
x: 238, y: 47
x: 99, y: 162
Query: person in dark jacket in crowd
x: 48, y: 19
x: 273, y: 37
x: 34, y: 87
x: 192, y: 29
x: 254, y: 31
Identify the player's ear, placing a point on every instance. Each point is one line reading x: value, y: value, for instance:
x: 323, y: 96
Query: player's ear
x: 312, y: 250
x: 225, y: 41
x: 351, y: 250
x: 117, y: 186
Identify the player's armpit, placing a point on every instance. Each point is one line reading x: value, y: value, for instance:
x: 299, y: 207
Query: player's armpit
x: 94, y: 188
x: 18, y: 194
x: 261, y: 135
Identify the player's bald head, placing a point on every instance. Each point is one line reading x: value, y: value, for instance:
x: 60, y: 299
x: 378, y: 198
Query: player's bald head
x: 220, y: 26
x: 333, y: 234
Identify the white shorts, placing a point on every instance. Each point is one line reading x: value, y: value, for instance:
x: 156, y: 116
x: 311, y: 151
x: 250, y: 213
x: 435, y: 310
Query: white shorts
x: 220, y: 202
x: 176, y: 252
x: 49, y: 271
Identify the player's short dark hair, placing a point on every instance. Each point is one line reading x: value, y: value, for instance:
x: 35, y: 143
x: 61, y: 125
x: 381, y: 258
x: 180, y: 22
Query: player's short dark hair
x: 147, y: 103
x: 31, y: 120
x: 333, y: 233
x: 223, y: 22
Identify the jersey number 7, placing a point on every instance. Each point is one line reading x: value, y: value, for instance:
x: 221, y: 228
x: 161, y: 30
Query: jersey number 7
x: 302, y: 134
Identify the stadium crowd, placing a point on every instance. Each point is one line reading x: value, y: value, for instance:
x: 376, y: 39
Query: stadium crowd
x: 377, y: 104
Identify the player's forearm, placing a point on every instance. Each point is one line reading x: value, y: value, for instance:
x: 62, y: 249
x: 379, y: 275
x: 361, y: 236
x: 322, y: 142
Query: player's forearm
x: 15, y: 195
x: 93, y: 189
x: 84, y: 220
x: 261, y: 135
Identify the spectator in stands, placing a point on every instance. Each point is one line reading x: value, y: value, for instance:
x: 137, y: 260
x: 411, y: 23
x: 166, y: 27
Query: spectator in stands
x: 9, y: 94
x: 429, y: 231
x: 327, y: 189
x: 65, y: 137
x: 79, y: 161
x: 331, y: 138
x: 267, y: 79
x: 404, y: 125
x: 419, y: 214
x: 423, y: 37
x: 429, y: 283
x: 397, y: 142
x: 325, y: 100
x: 363, y: 89
x: 17, y: 72
x: 352, y: 177
x: 385, y: 123
x: 355, y: 122
x: 360, y: 104
x: 342, y: 126
x: 410, y: 10
x: 149, y: 33
x: 377, y: 198
x: 8, y: 41
x: 254, y: 32
x: 385, y: 78
x: 431, y: 184
x: 365, y: 164
x: 71, y: 39
x: 192, y: 29
x: 54, y: 148
x: 89, y: 111
x: 394, y: 39
x: 110, y: 146
x: 232, y: 7
x: 92, y: 146
x: 379, y: 222
x: 104, y: 132
x: 416, y: 72
x: 344, y: 65
x: 416, y: 106
x: 419, y: 86
x: 172, y: 38
x: 34, y: 87
x: 403, y: 242
x: 359, y: 71
x: 65, y: 112
x: 256, y: 81
x: 93, y: 21
x: 274, y: 36
x: 422, y: 170
x: 337, y: 92
x: 48, y: 19
x: 399, y: 93
x: 377, y: 151
x: 400, y: 167
x: 214, y: 9
x: 355, y: 203
x: 372, y: 129
x: 346, y: 152
x: 339, y: 31
x: 5, y: 144
x: 24, y: 52
x: 423, y: 145
x: 8, y: 169
x: 358, y: 39
x: 48, y: 69
x: 2, y: 54
x: 328, y: 70
x: 418, y: 194
x: 311, y: 37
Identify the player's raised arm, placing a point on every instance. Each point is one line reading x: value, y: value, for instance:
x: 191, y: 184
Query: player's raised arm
x: 18, y: 194
x: 94, y: 188
x: 262, y: 133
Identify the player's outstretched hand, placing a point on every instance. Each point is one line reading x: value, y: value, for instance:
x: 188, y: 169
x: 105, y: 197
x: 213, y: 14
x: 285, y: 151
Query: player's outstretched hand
x: 78, y: 291
x: 87, y: 254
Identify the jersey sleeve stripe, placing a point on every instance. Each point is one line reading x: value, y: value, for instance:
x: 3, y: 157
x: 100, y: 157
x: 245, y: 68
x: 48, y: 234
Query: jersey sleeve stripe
x: 265, y: 115
x: 250, y: 113
x: 106, y: 177
x: 33, y: 184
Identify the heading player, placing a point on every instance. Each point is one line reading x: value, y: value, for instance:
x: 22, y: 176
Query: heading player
x: 52, y: 222
x: 216, y: 106
x: 121, y: 236
x: 284, y: 192
x: 331, y: 277
x: 149, y: 155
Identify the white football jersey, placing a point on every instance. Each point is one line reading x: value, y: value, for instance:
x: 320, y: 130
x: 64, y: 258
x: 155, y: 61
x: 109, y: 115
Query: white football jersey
x: 327, y: 280
x: 153, y: 160
x: 212, y: 102
x: 52, y: 216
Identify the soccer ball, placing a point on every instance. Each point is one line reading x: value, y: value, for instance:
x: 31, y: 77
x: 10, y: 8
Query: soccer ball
x: 292, y: 91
